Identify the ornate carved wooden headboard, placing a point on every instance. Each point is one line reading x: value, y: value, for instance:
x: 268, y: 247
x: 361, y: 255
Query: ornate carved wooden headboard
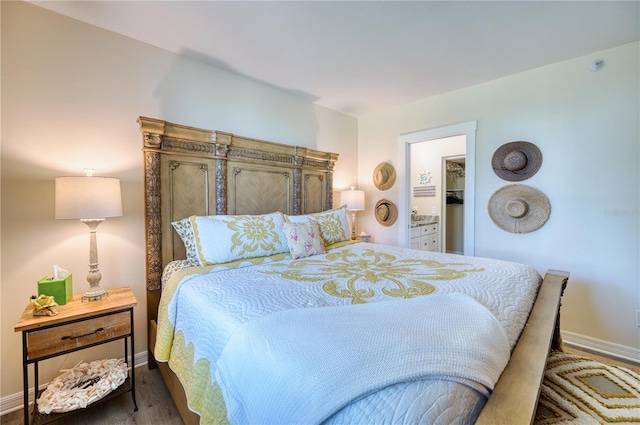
x: 191, y: 171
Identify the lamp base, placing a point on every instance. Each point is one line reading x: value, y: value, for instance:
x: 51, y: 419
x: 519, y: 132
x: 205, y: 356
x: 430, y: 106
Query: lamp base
x: 353, y: 225
x: 95, y: 292
x: 94, y: 295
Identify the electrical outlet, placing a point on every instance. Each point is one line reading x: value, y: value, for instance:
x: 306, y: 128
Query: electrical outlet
x: 434, y: 210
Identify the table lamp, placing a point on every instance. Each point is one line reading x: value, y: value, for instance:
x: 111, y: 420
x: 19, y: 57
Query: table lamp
x: 354, y: 199
x: 91, y: 200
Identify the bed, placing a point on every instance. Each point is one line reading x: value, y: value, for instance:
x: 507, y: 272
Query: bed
x: 505, y: 313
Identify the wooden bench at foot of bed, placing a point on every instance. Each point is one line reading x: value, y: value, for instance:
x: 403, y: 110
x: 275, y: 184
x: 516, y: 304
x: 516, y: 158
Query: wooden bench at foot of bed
x: 515, y: 398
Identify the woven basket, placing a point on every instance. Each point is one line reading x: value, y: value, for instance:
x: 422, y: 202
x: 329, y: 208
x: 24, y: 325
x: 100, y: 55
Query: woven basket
x: 82, y: 385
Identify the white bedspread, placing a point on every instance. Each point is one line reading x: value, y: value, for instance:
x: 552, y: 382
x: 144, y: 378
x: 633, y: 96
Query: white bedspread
x: 301, y: 366
x: 199, y: 314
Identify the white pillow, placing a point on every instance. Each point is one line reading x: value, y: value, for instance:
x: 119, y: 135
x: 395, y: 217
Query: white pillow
x: 334, y: 226
x: 224, y: 238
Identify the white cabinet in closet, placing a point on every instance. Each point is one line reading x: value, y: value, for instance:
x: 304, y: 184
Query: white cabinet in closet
x: 425, y: 237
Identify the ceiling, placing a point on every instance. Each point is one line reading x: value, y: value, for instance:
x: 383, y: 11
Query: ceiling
x: 361, y: 57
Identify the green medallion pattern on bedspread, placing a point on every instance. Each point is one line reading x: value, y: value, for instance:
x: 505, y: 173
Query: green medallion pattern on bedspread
x: 201, y: 307
x: 361, y: 275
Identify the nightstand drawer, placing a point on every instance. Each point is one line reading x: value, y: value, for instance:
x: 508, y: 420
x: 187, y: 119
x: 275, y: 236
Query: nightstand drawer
x: 79, y: 334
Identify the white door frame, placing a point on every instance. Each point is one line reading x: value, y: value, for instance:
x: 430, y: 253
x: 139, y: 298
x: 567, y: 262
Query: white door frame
x: 467, y: 129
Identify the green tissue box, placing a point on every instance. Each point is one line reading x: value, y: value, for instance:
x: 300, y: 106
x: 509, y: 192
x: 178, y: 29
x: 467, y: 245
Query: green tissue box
x: 60, y: 289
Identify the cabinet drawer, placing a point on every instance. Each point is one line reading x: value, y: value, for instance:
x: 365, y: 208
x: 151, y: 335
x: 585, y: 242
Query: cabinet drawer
x: 415, y: 232
x: 76, y: 335
x: 429, y: 229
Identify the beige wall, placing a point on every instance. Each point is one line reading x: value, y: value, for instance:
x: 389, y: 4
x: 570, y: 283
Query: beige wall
x: 587, y: 127
x: 71, y: 94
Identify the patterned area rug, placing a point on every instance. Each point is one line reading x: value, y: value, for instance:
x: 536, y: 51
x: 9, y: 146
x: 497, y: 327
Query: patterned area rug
x: 580, y: 391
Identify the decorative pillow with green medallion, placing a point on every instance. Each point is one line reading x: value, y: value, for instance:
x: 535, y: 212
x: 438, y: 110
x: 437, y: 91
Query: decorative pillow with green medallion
x: 334, y: 226
x: 224, y: 238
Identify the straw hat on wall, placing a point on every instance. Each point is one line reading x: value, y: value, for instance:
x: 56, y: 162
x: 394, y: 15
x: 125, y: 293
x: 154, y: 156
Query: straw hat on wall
x: 516, y: 161
x: 386, y: 212
x: 517, y: 208
x: 384, y: 176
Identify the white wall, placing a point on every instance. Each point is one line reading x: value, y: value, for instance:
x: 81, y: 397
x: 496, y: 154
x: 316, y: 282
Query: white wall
x: 587, y: 127
x: 71, y: 94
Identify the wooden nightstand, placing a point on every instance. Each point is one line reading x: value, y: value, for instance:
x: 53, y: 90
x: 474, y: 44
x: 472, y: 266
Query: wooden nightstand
x: 77, y: 326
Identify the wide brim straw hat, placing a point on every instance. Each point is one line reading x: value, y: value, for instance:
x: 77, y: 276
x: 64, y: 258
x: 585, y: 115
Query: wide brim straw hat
x: 518, y: 208
x: 384, y: 176
x: 516, y: 161
x: 386, y: 212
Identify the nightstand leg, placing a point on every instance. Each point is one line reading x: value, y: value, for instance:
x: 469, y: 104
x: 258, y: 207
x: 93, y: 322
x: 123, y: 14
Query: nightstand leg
x: 25, y: 378
x: 36, y: 384
x: 133, y: 366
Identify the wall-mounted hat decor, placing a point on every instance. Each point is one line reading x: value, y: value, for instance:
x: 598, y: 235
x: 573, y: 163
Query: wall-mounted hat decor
x: 386, y: 212
x: 516, y: 161
x: 384, y: 176
x: 518, y: 208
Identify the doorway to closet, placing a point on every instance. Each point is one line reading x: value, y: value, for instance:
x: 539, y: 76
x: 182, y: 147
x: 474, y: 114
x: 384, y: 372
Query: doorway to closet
x: 425, y: 144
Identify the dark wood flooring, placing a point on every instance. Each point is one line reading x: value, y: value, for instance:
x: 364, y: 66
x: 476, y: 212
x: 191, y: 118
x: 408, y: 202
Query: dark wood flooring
x: 155, y: 406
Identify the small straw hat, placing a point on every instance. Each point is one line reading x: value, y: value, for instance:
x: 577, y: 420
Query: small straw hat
x: 517, y: 208
x: 384, y: 176
x: 516, y: 161
x: 386, y: 212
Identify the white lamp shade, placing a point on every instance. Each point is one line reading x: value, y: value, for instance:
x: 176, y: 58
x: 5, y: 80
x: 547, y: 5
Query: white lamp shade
x: 88, y: 197
x: 354, y: 199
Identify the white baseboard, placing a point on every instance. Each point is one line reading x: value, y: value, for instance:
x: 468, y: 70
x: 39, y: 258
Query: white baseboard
x: 15, y: 401
x: 604, y: 348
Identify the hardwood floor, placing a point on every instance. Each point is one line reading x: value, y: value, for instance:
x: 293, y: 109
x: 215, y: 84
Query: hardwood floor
x: 155, y: 406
